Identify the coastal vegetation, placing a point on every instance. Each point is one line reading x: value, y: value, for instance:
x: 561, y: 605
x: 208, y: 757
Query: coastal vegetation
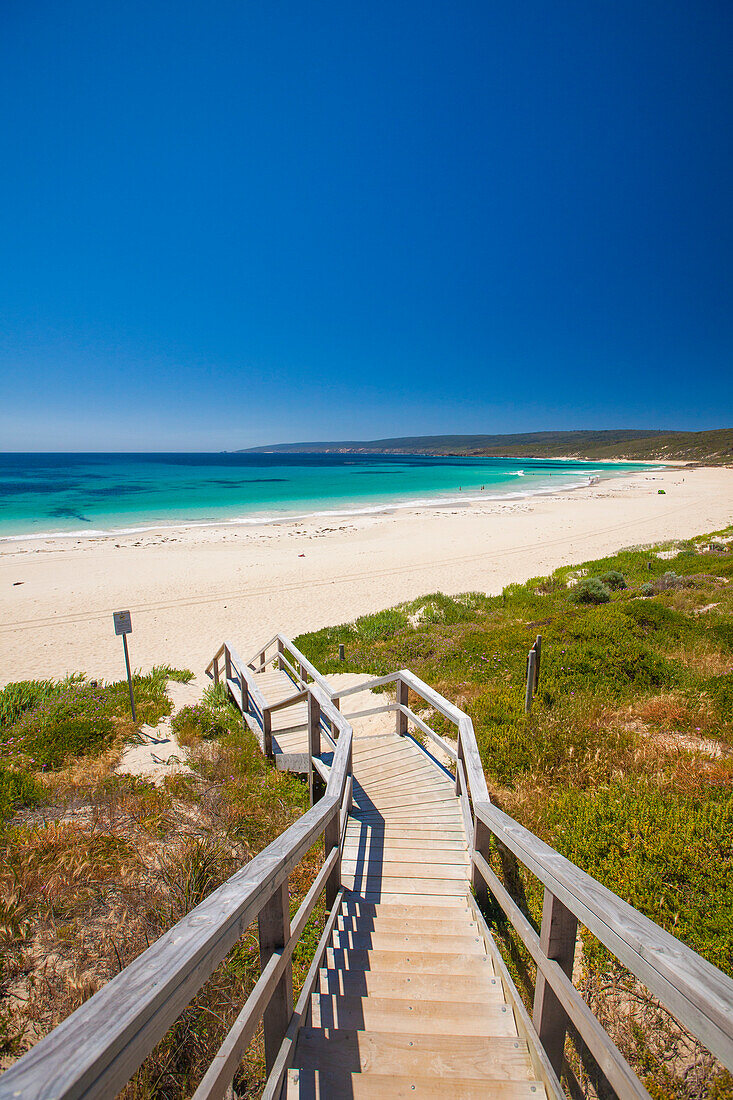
x: 624, y: 763
x: 643, y: 445
x: 96, y: 865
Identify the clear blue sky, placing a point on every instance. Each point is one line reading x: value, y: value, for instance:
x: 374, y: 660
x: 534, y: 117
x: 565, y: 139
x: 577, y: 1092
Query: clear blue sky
x: 239, y: 222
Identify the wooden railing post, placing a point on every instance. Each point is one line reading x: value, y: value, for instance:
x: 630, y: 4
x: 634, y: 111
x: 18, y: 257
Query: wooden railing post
x: 274, y: 929
x: 215, y: 663
x: 332, y: 839
x: 227, y: 665
x: 281, y: 651
x: 244, y: 686
x: 267, y: 732
x: 315, y: 783
x: 482, y: 845
x: 262, y: 660
x: 402, y: 697
x: 557, y: 940
x: 459, y: 758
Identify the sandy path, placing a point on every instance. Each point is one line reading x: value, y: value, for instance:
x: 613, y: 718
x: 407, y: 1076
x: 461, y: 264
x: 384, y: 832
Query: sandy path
x: 190, y: 589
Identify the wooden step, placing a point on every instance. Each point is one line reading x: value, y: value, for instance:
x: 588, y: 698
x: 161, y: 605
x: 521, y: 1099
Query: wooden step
x: 412, y: 1015
x: 375, y: 888
x: 442, y: 1056
x: 304, y: 1084
x: 406, y: 849
x: 426, y: 789
x: 421, y: 833
x: 426, y: 801
x: 375, y: 865
x: 351, y: 922
x: 479, y: 988
x: 407, y: 941
x: 435, y: 962
x: 397, y: 769
x: 446, y: 909
x: 447, y: 813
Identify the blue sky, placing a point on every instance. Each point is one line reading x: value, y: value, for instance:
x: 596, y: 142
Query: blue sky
x: 231, y: 223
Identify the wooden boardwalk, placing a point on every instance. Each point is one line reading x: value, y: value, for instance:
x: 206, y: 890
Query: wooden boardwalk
x: 408, y: 1002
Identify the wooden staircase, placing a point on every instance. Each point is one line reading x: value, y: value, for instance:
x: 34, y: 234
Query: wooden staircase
x: 408, y: 1002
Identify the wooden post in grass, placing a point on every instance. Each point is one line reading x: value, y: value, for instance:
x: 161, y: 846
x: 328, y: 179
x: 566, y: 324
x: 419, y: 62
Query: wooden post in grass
x: 529, y: 693
x: 274, y: 929
x: 538, y: 651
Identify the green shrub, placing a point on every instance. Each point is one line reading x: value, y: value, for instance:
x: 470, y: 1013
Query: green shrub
x: 180, y: 675
x: 647, y: 589
x: 667, y: 853
x: 614, y: 580
x: 591, y: 590
x: 15, y: 699
x: 17, y: 789
x: 199, y: 721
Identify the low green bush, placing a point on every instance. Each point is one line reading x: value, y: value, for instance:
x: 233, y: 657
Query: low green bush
x: 18, y: 788
x: 590, y: 590
x: 614, y: 580
x: 647, y: 590
x: 199, y: 721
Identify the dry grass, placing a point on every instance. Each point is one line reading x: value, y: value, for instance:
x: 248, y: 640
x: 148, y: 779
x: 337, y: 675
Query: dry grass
x: 106, y: 864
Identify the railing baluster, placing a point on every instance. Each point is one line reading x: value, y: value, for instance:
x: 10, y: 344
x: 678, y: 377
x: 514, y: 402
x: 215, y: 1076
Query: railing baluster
x: 558, y: 934
x: 227, y: 665
x: 281, y: 651
x: 215, y: 663
x: 332, y: 839
x: 267, y: 732
x: 402, y: 697
x: 315, y: 783
x: 482, y: 845
x: 274, y: 931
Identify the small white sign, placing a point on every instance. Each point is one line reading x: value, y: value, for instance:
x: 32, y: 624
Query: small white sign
x: 123, y: 622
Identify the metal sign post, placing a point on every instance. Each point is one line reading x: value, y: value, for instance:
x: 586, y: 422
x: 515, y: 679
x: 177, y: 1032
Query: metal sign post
x: 123, y: 626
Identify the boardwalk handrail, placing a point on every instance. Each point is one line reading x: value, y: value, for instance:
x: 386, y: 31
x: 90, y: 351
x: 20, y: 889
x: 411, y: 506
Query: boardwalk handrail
x: 95, y: 1051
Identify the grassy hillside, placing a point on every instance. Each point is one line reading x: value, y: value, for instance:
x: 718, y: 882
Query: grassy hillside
x: 640, y: 444
x: 625, y: 764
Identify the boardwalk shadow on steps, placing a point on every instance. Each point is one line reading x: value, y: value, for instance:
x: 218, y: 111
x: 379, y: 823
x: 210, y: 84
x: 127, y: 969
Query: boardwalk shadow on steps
x: 369, y: 869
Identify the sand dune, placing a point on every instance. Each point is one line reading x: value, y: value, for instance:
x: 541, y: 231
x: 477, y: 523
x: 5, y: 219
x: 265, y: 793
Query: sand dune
x: 188, y: 590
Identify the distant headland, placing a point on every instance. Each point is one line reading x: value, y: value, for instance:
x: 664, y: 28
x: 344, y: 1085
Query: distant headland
x: 713, y: 447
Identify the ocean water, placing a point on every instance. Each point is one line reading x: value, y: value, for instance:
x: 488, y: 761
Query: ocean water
x: 83, y: 494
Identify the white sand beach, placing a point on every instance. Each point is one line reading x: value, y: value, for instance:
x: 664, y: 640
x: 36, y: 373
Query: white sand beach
x: 189, y: 589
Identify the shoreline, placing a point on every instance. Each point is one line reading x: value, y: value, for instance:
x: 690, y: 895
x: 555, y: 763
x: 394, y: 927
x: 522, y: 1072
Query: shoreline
x: 189, y: 588
x: 383, y: 508
x: 376, y: 507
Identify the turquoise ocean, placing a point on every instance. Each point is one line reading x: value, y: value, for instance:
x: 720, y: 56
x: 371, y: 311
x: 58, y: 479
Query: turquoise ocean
x: 85, y: 494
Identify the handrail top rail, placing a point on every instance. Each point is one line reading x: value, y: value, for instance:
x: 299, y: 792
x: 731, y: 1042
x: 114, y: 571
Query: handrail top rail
x: 664, y: 964
x: 246, y: 672
x: 319, y: 678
